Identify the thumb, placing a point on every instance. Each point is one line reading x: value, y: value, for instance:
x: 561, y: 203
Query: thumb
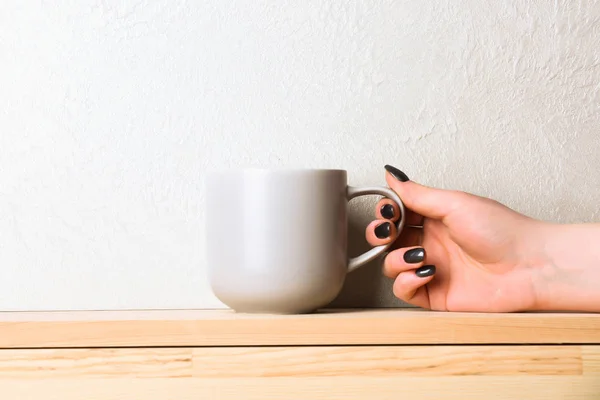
x: 427, y: 201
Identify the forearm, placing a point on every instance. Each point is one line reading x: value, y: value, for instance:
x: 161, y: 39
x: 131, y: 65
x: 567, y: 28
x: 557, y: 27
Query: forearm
x: 566, y: 269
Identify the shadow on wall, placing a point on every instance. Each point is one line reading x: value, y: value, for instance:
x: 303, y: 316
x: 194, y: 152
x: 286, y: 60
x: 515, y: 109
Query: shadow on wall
x: 365, y: 286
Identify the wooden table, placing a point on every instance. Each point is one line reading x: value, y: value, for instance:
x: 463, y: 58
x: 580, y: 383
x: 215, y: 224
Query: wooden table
x: 345, y: 354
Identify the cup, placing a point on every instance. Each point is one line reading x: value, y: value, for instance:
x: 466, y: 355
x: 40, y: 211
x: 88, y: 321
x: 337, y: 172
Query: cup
x: 277, y: 239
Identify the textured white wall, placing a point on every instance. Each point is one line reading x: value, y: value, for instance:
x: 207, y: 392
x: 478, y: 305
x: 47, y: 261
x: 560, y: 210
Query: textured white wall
x: 112, y: 111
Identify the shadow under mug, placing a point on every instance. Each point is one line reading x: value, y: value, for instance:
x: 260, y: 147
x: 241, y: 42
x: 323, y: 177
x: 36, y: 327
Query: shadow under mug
x: 277, y: 239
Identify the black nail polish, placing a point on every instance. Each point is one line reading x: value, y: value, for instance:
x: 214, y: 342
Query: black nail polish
x: 414, y: 256
x: 383, y: 231
x: 425, y: 271
x: 387, y: 211
x: 396, y: 173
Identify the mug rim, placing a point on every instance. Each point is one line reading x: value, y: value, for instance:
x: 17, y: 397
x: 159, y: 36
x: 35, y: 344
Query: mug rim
x: 275, y: 170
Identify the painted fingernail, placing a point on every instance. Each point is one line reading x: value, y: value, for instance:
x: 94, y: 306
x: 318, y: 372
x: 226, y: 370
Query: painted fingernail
x: 414, y: 256
x: 387, y: 211
x: 383, y: 231
x: 396, y: 173
x: 425, y: 271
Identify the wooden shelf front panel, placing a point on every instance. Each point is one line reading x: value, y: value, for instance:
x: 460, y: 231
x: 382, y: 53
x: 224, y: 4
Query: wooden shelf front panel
x: 341, y: 327
x: 289, y: 362
x: 348, y: 372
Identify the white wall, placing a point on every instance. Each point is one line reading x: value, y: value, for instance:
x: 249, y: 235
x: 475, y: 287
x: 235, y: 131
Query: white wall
x: 112, y: 111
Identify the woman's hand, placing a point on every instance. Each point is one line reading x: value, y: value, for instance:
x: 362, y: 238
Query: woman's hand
x: 472, y: 254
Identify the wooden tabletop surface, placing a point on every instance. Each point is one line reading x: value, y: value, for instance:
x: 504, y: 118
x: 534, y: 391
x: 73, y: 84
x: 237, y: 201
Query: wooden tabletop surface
x: 329, y: 327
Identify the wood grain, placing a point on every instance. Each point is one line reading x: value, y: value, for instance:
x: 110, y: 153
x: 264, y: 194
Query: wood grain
x: 347, y: 388
x: 300, y: 362
x: 361, y: 361
x: 332, y: 327
x: 455, y: 372
x: 96, y: 363
x: 590, y: 356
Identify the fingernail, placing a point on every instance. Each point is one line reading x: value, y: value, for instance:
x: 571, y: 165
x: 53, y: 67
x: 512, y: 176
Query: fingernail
x: 396, y: 173
x: 387, y: 211
x: 383, y: 231
x: 425, y: 271
x: 414, y: 256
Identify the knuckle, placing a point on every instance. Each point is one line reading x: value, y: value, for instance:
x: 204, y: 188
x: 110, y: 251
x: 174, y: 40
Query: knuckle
x: 458, y: 199
x: 393, y: 258
x: 387, y: 268
x: 403, y: 289
x: 400, y: 290
x: 390, y: 265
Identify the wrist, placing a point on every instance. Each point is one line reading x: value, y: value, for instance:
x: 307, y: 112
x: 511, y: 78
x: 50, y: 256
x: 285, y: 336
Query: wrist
x: 565, y: 267
x: 540, y: 264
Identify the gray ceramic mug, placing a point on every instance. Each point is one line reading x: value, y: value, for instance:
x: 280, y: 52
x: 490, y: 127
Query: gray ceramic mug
x: 277, y: 239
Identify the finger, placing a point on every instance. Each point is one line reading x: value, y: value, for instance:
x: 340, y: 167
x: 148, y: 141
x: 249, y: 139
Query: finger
x: 388, y: 209
x: 427, y: 201
x: 412, y: 218
x: 402, y: 260
x: 408, y: 237
x: 410, y: 287
x: 380, y: 232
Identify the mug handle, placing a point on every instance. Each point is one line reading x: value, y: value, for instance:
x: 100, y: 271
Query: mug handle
x: 375, y: 252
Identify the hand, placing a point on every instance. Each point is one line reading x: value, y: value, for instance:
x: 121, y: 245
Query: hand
x: 472, y: 254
